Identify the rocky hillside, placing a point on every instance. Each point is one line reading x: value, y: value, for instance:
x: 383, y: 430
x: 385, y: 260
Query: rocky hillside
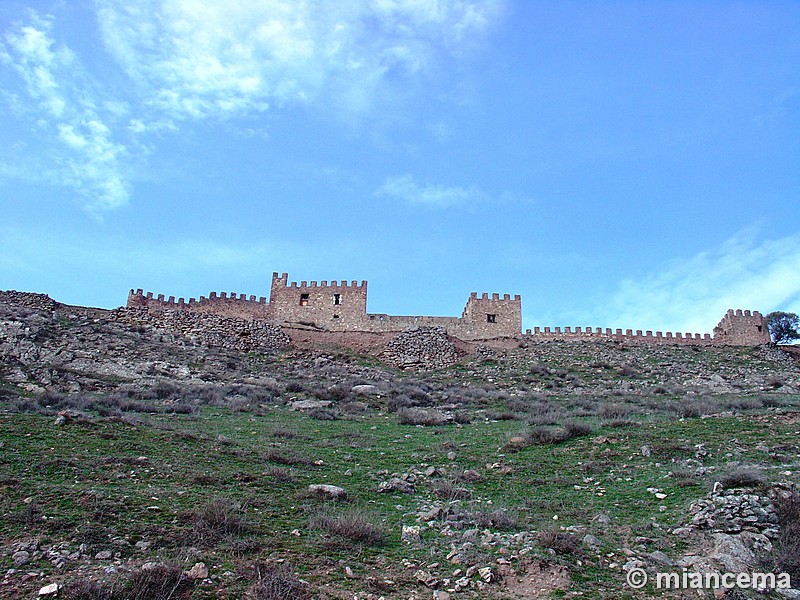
x: 170, y: 456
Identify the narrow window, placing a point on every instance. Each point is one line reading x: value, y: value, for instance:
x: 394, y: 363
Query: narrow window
x: 491, y: 318
x: 759, y: 328
x: 337, y: 299
x: 303, y: 299
x: 335, y: 316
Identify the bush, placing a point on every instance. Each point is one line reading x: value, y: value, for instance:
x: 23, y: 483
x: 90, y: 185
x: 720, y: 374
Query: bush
x: 449, y: 490
x: 544, y: 435
x: 354, y: 525
x: 577, y: 429
x: 788, y: 546
x: 285, y: 457
x: 323, y: 414
x: 276, y: 582
x: 742, y: 477
x: 560, y: 541
x: 86, y: 589
x: 161, y: 582
x: 216, y: 520
x: 419, y: 416
x: 614, y: 411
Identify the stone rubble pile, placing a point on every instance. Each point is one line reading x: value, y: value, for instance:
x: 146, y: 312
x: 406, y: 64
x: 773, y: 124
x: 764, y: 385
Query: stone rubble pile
x: 208, y: 329
x: 29, y: 300
x: 421, y: 348
x: 732, y: 511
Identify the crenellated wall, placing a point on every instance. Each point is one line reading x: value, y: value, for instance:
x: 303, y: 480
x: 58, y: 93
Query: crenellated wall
x: 342, y: 306
x: 334, y: 305
x: 742, y: 328
x: 234, y: 305
x: 618, y: 335
x: 737, y: 328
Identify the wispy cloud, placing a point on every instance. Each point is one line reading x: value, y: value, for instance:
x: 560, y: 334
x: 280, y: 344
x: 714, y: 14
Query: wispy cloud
x: 220, y: 59
x: 68, y: 115
x: 693, y: 294
x: 193, y: 59
x: 405, y: 188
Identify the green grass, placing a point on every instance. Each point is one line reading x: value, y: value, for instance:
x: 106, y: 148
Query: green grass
x: 144, y: 481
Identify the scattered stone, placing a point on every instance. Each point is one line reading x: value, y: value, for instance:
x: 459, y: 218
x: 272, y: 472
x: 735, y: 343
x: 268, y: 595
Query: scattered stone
x: 198, y: 571
x: 365, y: 390
x: 49, y: 590
x: 21, y: 558
x: 329, y: 492
x: 395, y: 484
x: 104, y: 555
x: 426, y: 578
x: 451, y: 455
x: 591, y: 542
x: 660, y: 557
x: 411, y: 534
x: 309, y: 404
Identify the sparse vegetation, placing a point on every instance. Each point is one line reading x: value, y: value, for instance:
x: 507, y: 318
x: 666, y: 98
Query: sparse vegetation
x: 160, y: 467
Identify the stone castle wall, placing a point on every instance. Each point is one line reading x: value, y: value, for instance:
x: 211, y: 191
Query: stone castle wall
x: 342, y: 306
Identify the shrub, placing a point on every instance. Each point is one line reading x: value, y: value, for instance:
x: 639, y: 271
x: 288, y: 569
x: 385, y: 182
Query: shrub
x: 276, y: 582
x: 419, y: 416
x: 577, y: 429
x: 788, y: 546
x: 500, y: 519
x: 353, y: 525
x: 86, y: 589
x: 160, y: 582
x: 293, y: 387
x: 614, y: 410
x: 544, y: 435
x: 216, y: 520
x: 280, y: 474
x: 462, y: 418
x: 323, y: 414
x: 684, y: 478
x: 559, y: 541
x: 399, y: 402
x: 285, y: 457
x: 742, y: 477
x: 448, y: 489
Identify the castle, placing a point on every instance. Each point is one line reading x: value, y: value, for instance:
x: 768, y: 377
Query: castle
x: 342, y: 306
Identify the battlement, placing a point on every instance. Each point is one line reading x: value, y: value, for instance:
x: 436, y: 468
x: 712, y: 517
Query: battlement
x: 618, y: 335
x: 342, y: 306
x: 233, y: 305
x: 282, y: 280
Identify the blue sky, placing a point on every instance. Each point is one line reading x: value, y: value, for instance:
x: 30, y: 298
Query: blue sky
x: 618, y: 164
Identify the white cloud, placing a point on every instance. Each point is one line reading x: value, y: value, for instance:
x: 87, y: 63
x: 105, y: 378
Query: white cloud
x: 66, y: 113
x: 202, y: 59
x: 433, y: 196
x: 693, y: 295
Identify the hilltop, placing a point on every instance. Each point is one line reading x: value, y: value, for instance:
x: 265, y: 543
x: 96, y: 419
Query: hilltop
x: 138, y: 446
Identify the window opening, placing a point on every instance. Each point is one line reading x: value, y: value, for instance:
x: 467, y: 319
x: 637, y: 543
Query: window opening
x: 337, y: 299
x: 303, y: 299
x: 491, y: 318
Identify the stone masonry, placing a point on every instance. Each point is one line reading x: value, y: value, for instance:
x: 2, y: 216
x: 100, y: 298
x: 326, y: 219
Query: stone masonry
x: 342, y: 306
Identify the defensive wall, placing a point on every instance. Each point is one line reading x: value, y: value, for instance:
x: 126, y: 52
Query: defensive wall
x: 342, y: 306
x: 737, y: 328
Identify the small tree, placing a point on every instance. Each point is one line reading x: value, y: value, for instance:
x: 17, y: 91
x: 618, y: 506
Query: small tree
x: 784, y: 327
